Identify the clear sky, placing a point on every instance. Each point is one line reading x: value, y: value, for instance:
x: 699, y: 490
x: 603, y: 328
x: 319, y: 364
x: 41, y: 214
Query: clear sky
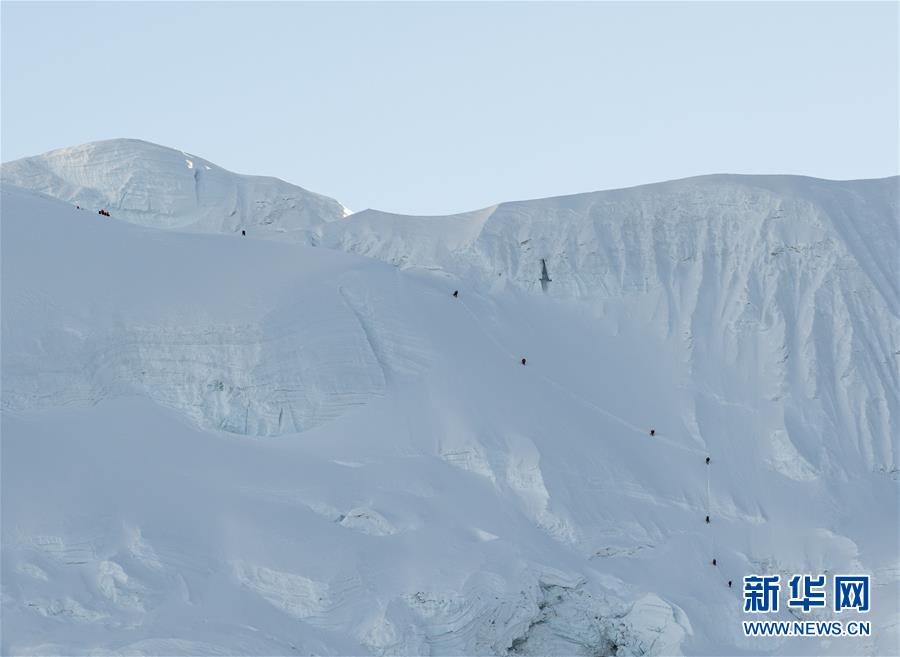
x: 430, y: 108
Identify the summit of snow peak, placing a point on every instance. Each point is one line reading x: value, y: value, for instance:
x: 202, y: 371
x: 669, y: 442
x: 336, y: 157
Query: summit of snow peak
x: 152, y: 185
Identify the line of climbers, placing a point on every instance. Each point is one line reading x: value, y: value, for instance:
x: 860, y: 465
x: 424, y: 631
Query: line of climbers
x: 706, y: 519
x: 715, y: 561
x: 652, y: 434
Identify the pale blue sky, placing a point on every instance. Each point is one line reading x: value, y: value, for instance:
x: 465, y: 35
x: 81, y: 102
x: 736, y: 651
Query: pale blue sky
x: 432, y: 108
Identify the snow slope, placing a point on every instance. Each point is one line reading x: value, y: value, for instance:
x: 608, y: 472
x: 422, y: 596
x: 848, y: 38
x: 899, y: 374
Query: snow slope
x: 791, y: 283
x: 419, y: 491
x: 152, y: 185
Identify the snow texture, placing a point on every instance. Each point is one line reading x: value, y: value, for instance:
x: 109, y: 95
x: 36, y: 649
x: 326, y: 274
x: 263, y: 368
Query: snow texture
x: 151, y: 185
x: 224, y: 445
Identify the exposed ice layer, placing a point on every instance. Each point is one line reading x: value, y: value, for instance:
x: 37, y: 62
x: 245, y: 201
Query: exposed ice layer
x: 603, y: 244
x: 161, y: 187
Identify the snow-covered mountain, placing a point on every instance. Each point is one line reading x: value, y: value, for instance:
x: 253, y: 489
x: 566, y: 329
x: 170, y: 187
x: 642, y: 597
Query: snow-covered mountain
x: 152, y: 185
x: 793, y: 282
x: 222, y: 444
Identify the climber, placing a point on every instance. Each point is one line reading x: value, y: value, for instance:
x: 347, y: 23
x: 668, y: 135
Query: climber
x: 729, y: 583
x: 652, y: 432
x: 707, y: 520
x: 244, y: 233
x: 714, y: 562
x: 523, y: 361
x: 707, y: 460
x: 455, y: 293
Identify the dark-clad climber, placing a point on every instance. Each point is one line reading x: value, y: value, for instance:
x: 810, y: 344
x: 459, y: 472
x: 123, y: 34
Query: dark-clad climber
x: 707, y: 520
x: 523, y: 361
x: 652, y: 432
x: 729, y: 583
x: 244, y: 233
x: 455, y: 293
x: 707, y: 460
x: 715, y: 563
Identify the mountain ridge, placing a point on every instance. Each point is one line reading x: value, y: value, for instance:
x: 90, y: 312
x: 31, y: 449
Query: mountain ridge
x: 211, y: 440
x: 155, y: 185
x: 707, y: 176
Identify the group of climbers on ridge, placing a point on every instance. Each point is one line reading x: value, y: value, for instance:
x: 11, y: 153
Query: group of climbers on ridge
x: 101, y: 211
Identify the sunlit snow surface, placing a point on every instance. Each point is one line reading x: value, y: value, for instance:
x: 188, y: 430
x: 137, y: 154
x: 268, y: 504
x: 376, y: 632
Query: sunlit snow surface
x: 152, y: 185
x: 226, y: 445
